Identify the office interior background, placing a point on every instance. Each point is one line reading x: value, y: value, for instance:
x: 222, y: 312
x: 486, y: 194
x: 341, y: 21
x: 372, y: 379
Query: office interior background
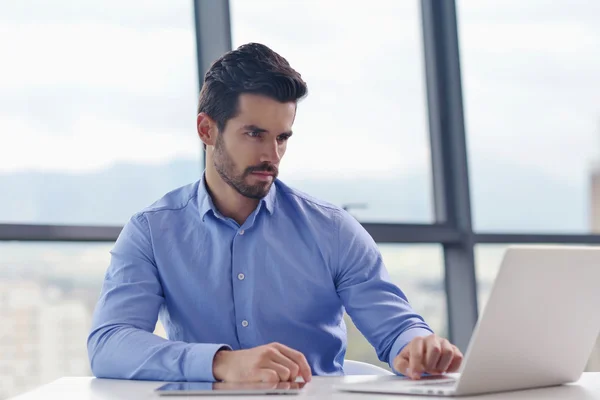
x: 449, y: 129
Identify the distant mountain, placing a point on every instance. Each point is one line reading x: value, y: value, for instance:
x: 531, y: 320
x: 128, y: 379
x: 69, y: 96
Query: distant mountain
x: 504, y: 197
x: 508, y: 197
x: 106, y: 197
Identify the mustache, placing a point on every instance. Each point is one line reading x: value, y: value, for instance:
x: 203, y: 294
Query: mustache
x: 265, y: 167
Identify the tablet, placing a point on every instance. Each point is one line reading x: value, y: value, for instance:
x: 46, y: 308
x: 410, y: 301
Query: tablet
x: 229, y: 388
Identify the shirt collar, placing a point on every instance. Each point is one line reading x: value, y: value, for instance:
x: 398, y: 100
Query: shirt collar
x: 205, y: 202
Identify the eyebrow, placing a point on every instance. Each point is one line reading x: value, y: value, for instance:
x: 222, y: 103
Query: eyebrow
x: 254, y: 128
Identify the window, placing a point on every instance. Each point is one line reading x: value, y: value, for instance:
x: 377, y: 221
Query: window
x: 47, y: 296
x: 487, y: 265
x: 97, y: 108
x: 418, y: 270
x: 532, y: 109
x: 48, y: 292
x: 361, y: 138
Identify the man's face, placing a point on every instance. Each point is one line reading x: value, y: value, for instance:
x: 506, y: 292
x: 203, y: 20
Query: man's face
x: 248, y: 151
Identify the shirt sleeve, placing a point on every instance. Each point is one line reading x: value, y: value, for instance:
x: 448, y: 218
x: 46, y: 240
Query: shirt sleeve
x: 378, y: 308
x: 121, y: 343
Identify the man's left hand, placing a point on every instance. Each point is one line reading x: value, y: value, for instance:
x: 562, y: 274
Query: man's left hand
x: 430, y: 354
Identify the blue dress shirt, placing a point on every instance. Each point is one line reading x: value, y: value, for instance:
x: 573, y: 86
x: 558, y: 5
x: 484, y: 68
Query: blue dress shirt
x: 286, y: 275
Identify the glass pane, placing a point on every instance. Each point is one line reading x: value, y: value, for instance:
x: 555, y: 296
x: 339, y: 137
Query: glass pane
x: 361, y: 138
x: 419, y: 271
x: 47, y: 295
x: 487, y: 263
x: 531, y: 72
x: 97, y: 108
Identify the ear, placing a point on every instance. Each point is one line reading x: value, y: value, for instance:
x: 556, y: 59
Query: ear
x: 207, y: 129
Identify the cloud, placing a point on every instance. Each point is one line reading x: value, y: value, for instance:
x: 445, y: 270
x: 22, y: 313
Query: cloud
x: 528, y: 71
x: 582, y: 11
x: 52, y: 111
x: 366, y: 109
x: 95, y: 55
x: 90, y: 144
x: 138, y: 14
x: 529, y: 85
x: 83, y: 86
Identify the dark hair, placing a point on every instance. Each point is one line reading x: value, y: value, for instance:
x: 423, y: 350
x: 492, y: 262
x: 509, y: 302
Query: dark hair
x: 251, y: 68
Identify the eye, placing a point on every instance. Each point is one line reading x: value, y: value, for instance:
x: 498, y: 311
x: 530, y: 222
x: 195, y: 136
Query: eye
x: 253, y: 134
x: 283, y: 137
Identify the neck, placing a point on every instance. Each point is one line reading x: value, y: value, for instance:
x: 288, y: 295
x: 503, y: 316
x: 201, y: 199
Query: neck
x: 225, y: 198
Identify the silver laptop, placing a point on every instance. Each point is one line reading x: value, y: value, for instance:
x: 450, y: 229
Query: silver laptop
x: 538, y: 328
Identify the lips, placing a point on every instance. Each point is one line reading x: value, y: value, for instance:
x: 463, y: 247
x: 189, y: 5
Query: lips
x: 263, y: 171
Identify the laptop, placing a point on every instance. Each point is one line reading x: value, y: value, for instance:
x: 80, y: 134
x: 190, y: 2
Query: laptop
x: 537, y: 329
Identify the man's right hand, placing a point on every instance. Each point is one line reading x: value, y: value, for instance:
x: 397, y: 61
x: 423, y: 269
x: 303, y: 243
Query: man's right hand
x: 273, y: 362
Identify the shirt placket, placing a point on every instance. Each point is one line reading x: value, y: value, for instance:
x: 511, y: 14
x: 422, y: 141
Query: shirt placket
x: 241, y: 278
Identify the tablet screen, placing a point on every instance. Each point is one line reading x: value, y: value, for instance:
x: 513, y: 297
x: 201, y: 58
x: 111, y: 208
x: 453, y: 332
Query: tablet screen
x: 230, y: 388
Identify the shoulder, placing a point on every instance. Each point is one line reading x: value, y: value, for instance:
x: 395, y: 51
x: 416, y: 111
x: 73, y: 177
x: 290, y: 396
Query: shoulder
x: 316, y: 209
x: 179, y: 199
x: 297, y: 198
x: 137, y: 231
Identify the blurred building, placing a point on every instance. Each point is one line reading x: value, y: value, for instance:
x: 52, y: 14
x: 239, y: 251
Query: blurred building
x: 594, y: 363
x: 42, y: 336
x: 63, y: 349
x: 19, y: 337
x: 595, y: 200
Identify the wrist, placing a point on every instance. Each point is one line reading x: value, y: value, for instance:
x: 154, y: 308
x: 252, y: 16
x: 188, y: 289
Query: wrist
x: 219, y: 364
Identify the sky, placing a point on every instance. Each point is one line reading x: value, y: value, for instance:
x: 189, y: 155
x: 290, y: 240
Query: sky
x: 530, y: 75
x: 84, y: 85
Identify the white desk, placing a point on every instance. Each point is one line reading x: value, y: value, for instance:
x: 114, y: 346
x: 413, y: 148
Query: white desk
x: 588, y: 388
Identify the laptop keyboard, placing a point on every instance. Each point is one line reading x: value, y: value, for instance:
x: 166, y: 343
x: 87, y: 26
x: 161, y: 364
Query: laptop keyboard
x: 437, y: 383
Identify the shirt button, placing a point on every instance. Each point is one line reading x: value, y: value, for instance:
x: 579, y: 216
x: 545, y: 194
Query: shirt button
x: 242, y: 232
x: 244, y: 323
x: 241, y: 277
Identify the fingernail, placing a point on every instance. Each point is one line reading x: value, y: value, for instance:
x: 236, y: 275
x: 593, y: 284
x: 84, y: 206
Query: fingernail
x: 408, y: 372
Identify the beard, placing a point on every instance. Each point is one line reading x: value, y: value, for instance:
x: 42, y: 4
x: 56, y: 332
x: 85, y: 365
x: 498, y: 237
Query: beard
x: 226, y: 168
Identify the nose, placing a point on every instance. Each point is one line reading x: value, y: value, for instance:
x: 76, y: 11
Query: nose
x: 271, y: 152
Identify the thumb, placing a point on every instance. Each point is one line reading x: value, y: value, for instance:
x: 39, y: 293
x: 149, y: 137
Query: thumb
x: 267, y: 375
x: 401, y: 363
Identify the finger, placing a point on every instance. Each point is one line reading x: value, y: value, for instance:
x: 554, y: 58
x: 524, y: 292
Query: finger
x: 290, y: 364
x: 298, y: 358
x: 433, y: 351
x: 267, y: 375
x: 446, y: 356
x: 284, y: 385
x: 282, y: 371
x: 401, y: 361
x: 456, y: 360
x: 415, y: 358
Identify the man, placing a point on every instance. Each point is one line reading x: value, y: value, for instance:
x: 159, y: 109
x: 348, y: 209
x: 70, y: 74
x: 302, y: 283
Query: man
x: 250, y: 277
